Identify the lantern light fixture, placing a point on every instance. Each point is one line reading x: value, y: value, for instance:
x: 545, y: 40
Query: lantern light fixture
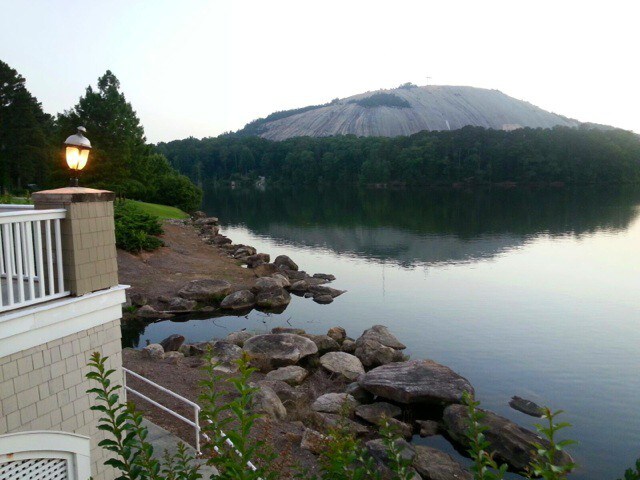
x: 77, y: 153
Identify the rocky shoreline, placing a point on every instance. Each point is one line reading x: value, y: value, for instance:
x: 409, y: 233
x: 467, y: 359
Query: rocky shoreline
x: 270, y: 291
x: 367, y: 379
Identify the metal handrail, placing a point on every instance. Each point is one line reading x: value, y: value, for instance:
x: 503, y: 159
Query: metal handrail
x: 197, y: 409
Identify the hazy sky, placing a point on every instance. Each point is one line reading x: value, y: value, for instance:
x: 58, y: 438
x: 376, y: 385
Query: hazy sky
x: 200, y: 68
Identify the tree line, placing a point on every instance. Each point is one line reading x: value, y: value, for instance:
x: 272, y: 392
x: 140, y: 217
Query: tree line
x: 471, y: 155
x: 32, y: 153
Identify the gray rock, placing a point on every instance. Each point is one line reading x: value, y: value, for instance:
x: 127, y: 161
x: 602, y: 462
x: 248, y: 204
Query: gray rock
x: 172, y: 357
x: 378, y: 450
x: 324, y: 276
x: 258, y: 259
x: 334, y: 403
x: 427, y: 428
x: 238, y: 338
x: 294, y: 274
x: 323, y: 299
x: 225, y: 356
x: 185, y: 349
x: 206, y: 220
x: 375, y: 412
x: 382, y: 335
x: 293, y: 375
x: 138, y: 299
x: 178, y: 304
x: 300, y: 286
x: 286, y: 393
x: 286, y: 262
x: 433, y: 464
x: 265, y: 270
x: 240, y: 300
x: 154, y: 351
x: 348, y: 346
x: 313, y: 441
x: 147, y: 311
x: 266, y: 283
x: 343, y: 364
x: 372, y: 353
x: 266, y: 401
x: 172, y: 343
x: 282, y: 280
x: 360, y: 394
x: 273, y: 298
x: 333, y: 420
x: 205, y: 290
x: 526, y: 406
x: 324, y: 343
x: 510, y: 442
x: 322, y: 290
x: 220, y: 240
x: 416, y: 381
x: 339, y: 334
x: 271, y: 351
x: 296, y: 331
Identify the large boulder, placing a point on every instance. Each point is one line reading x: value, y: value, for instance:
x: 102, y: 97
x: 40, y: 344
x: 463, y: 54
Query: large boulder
x: 339, y: 334
x: 322, y: 299
x: 373, y: 354
x: 240, y: 300
x: 293, y: 375
x: 225, y: 356
x: 416, y: 381
x: 273, y: 298
x: 335, y: 420
x: 334, y: 403
x: 433, y: 464
x: 510, y: 442
x: 382, y: 335
x: 285, y: 262
x: 265, y: 270
x: 172, y: 343
x: 343, y: 364
x: 266, y: 401
x: 375, y: 412
x: 258, y: 259
x: 287, y: 394
x: 299, y: 286
x: 205, y: 290
x: 274, y: 350
x: 282, y: 280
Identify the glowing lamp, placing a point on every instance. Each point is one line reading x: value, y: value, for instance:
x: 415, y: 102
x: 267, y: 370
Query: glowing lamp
x: 77, y: 153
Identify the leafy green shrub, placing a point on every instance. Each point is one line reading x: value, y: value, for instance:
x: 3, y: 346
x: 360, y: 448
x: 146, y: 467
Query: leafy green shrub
x: 135, y: 229
x: 177, y: 191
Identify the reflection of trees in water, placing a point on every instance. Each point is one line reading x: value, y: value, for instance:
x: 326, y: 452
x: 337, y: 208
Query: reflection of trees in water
x: 411, y: 226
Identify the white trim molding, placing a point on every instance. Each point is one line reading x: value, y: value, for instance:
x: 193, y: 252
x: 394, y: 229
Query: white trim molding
x: 32, y: 326
x: 74, y: 449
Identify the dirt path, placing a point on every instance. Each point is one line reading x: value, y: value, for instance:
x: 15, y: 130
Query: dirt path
x: 184, y: 257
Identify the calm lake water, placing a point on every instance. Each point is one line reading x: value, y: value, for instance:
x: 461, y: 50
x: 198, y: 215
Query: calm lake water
x: 524, y: 292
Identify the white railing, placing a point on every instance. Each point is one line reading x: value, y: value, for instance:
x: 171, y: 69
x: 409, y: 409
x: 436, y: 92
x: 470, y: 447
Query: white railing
x: 31, y: 268
x: 196, y: 412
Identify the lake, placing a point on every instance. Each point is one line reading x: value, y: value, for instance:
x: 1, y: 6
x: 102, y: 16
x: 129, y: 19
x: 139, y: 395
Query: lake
x: 529, y: 292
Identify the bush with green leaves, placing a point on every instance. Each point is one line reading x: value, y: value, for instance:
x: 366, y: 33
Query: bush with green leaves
x: 136, y: 230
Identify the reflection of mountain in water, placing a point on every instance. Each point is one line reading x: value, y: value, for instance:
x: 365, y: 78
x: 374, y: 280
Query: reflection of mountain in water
x: 386, y: 243
x: 409, y: 226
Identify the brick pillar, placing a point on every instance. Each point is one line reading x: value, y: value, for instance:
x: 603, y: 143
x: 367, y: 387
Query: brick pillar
x: 88, y: 236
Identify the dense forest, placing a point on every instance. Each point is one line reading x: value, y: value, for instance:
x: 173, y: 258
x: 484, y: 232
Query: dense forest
x: 471, y: 155
x: 32, y: 153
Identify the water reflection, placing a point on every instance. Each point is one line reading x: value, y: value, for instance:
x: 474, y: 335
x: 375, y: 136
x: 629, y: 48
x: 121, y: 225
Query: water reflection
x: 410, y: 227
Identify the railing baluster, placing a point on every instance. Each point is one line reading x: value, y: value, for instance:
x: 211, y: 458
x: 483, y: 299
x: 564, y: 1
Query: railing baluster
x: 2, y: 270
x: 47, y: 231
x: 39, y: 263
x: 6, y: 240
x: 59, y: 255
x: 18, y: 253
x: 28, y: 231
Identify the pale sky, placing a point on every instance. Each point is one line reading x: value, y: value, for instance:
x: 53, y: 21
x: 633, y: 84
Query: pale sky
x: 200, y: 68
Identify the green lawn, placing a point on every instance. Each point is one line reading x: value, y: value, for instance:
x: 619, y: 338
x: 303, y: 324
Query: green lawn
x: 161, y: 211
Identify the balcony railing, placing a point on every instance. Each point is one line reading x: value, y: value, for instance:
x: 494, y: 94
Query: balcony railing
x: 31, y: 266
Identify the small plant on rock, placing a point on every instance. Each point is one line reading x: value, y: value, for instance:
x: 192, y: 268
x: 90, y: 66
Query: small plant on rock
x: 547, y: 466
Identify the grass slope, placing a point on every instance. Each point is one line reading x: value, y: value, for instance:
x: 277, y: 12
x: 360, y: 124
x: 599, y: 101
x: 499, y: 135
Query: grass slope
x: 161, y: 211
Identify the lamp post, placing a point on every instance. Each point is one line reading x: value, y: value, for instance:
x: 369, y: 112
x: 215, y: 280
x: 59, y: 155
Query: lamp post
x: 77, y: 153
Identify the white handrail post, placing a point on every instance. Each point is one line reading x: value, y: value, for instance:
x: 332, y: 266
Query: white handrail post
x: 6, y: 238
x: 196, y: 411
